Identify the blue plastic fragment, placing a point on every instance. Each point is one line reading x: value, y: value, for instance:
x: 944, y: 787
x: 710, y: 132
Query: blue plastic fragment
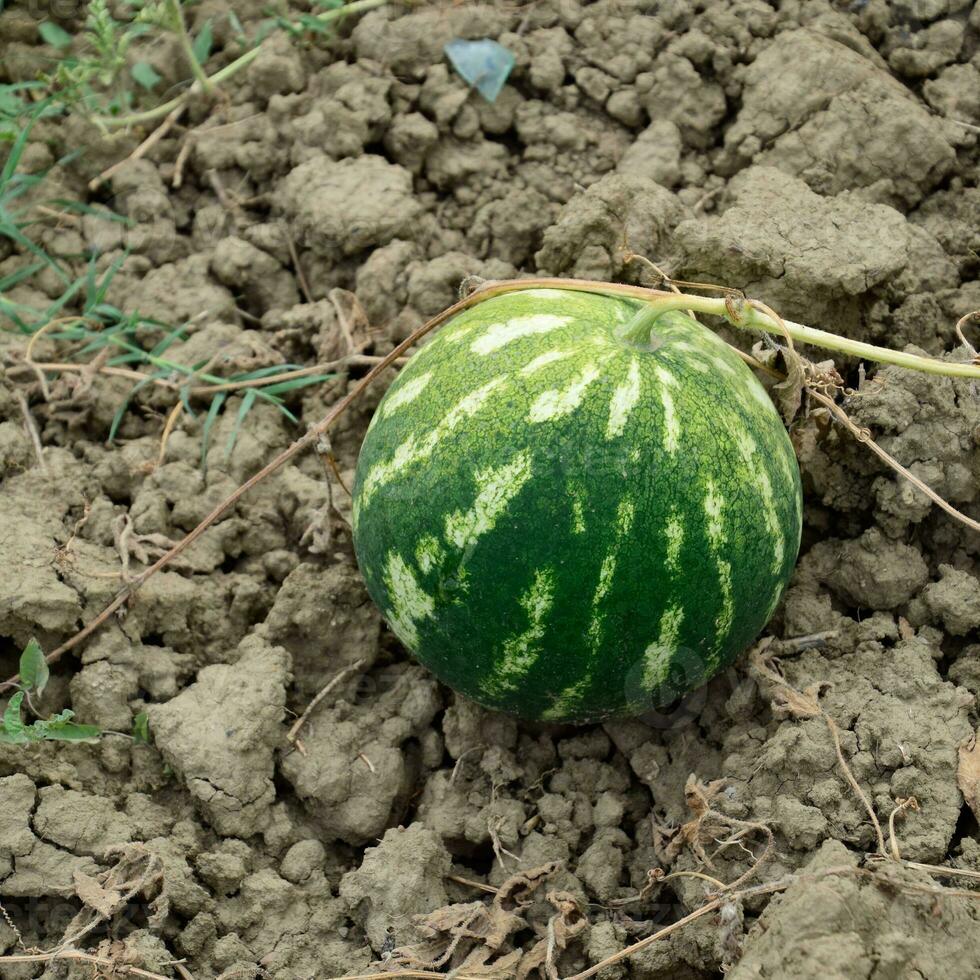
x: 484, y: 65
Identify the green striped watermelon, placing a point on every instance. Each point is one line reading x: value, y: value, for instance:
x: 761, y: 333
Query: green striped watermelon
x: 571, y: 508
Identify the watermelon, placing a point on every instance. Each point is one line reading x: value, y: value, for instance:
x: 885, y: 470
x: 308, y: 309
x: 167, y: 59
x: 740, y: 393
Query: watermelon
x: 572, y: 506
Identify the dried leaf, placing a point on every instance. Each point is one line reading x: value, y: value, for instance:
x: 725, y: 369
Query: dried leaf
x: 698, y: 797
x: 789, y: 393
x: 562, y: 928
x: 502, y: 968
x: 968, y: 774
x: 786, y: 701
x: 519, y: 887
x: 104, y: 900
x: 475, y: 931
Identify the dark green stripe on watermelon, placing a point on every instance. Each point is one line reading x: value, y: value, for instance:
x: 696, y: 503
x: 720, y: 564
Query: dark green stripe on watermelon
x: 568, y: 509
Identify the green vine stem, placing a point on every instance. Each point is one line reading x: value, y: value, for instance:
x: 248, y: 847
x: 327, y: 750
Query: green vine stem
x: 741, y: 314
x: 204, y: 82
x: 180, y: 26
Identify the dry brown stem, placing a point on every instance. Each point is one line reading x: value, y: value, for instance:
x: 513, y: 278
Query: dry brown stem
x: 293, y: 734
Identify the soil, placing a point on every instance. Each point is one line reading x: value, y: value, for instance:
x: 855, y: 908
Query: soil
x: 823, y: 158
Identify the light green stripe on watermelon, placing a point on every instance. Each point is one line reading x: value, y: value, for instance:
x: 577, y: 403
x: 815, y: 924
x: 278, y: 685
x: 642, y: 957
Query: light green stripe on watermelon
x: 408, y: 603
x: 507, y: 331
x: 548, y: 357
x: 520, y: 652
x: 557, y: 402
x: 607, y: 570
x: 429, y: 553
x: 674, y: 531
x: 659, y: 656
x: 563, y: 497
x: 672, y: 424
x: 714, y: 504
x: 416, y: 450
x: 406, y: 393
x: 497, y: 487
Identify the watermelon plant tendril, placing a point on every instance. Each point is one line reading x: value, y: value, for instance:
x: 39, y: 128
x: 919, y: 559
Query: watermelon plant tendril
x: 740, y: 312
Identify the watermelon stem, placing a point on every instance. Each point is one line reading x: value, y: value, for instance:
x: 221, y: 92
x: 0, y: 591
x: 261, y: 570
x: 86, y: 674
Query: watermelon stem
x: 740, y: 313
x: 640, y: 332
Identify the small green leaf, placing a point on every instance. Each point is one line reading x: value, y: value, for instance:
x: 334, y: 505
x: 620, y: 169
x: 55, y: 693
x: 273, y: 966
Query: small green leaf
x: 145, y: 74
x: 61, y: 728
x: 141, y: 729
x: 71, y: 732
x: 34, y: 671
x: 54, y: 35
x: 13, y: 728
x: 202, y: 43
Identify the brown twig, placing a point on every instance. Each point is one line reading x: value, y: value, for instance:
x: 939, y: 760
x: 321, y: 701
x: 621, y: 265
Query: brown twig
x: 293, y: 735
x: 909, y: 804
x: 343, y: 321
x: 182, y: 155
x: 965, y: 125
x: 67, y: 367
x: 805, y: 704
x: 411, y: 975
x: 60, y: 216
x: 864, y: 436
x: 812, y: 641
x: 118, y: 969
x: 474, y: 884
x: 32, y: 432
x: 940, y: 872
x: 629, y: 951
x: 298, y: 267
x: 852, y: 781
x: 969, y: 318
x: 168, y: 428
x: 96, y: 182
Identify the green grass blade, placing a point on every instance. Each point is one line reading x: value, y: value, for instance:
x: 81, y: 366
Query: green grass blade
x: 62, y: 301
x: 171, y: 337
x: 17, y: 150
x: 185, y: 398
x: 294, y: 384
x: 248, y: 400
x: 121, y: 410
x: 214, y: 410
x: 14, y: 278
x: 96, y: 289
